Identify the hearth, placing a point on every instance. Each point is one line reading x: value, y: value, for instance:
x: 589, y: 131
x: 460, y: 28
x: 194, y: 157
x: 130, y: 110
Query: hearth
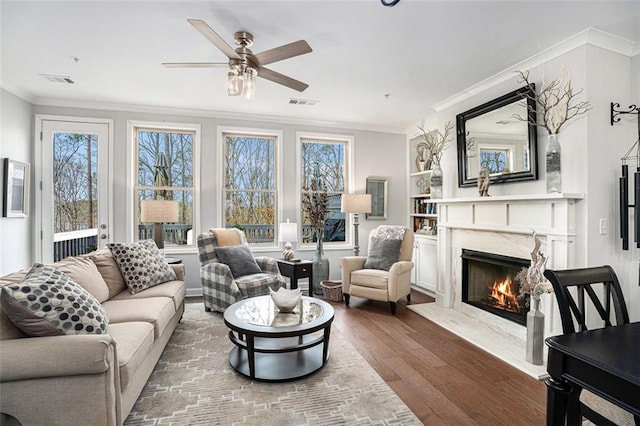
x: 489, y: 282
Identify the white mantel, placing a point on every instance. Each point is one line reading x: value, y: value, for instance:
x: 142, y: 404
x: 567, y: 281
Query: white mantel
x: 503, y: 225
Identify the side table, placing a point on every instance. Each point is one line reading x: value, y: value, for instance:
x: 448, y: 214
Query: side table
x: 297, y: 270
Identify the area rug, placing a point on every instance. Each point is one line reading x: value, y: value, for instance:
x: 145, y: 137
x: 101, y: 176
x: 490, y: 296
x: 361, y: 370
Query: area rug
x: 193, y: 384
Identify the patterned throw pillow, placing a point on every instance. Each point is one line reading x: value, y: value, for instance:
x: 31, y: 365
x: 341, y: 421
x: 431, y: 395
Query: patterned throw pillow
x: 142, y: 264
x: 49, y: 303
x: 383, y: 253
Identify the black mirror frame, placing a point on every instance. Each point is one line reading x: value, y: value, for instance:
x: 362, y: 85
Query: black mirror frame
x: 525, y: 93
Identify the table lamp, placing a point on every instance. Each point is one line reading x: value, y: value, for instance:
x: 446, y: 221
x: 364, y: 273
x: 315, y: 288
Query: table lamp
x: 356, y: 203
x: 288, y: 234
x: 158, y: 212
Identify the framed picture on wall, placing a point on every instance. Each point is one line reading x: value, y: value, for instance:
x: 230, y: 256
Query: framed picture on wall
x: 15, y: 190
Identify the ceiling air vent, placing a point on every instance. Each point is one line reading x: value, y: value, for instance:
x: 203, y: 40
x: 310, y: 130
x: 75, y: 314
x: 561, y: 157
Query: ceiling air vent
x: 302, y: 102
x: 58, y: 78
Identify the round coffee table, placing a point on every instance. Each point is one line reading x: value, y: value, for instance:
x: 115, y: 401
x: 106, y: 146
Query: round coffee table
x: 274, y: 346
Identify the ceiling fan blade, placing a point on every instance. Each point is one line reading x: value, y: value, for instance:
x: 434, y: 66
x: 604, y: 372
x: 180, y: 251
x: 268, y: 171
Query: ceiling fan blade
x: 276, y: 77
x: 214, y: 38
x: 195, y: 64
x: 276, y: 54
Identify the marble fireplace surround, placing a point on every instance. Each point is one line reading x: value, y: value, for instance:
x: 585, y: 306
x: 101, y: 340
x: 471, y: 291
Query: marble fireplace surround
x: 503, y: 225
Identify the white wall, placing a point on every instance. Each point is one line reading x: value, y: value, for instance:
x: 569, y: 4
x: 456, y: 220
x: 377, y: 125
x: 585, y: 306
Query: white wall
x: 16, y: 135
x: 380, y: 154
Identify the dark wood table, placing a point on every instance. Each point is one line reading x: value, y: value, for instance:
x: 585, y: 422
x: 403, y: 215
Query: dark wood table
x: 274, y: 346
x: 605, y: 361
x: 296, y: 270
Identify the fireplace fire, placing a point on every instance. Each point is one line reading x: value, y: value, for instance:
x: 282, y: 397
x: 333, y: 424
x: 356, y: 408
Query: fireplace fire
x: 489, y: 283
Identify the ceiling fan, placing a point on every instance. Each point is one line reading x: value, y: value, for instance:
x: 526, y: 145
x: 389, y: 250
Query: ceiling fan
x: 243, y: 64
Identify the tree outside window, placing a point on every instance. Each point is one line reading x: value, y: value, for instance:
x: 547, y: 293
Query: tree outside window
x: 325, y: 161
x: 250, y: 185
x: 165, y: 164
x: 75, y: 181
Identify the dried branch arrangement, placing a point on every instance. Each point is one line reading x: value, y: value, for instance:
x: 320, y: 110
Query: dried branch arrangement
x: 316, y: 204
x: 436, y: 140
x: 531, y: 279
x: 557, y: 102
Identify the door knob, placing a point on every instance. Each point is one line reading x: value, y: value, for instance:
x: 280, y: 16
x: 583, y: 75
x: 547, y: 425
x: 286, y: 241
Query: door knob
x: 103, y: 236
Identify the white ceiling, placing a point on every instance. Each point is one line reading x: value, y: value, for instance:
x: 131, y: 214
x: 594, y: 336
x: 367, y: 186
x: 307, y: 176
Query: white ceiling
x: 418, y: 52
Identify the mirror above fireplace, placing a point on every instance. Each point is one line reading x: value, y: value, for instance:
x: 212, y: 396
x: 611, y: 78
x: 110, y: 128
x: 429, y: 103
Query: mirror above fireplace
x: 490, y: 137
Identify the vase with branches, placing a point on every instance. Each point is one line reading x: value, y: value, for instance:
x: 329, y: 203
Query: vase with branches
x: 557, y: 103
x: 534, y: 284
x: 436, y: 142
x: 315, y: 202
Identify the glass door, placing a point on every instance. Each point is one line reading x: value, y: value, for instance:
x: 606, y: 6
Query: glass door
x: 74, y: 202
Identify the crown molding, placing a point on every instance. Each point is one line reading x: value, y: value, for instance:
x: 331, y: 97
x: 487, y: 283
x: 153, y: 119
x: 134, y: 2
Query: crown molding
x: 16, y: 91
x: 591, y: 36
x: 224, y: 115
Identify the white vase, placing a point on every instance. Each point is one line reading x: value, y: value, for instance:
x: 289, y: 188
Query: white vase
x: 553, y: 161
x: 436, y: 182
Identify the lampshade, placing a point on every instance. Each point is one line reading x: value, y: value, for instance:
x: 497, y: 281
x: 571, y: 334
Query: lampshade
x: 288, y: 232
x: 158, y: 211
x: 356, y: 203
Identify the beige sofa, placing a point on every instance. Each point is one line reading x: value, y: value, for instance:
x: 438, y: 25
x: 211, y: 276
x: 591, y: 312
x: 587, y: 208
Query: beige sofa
x: 89, y: 379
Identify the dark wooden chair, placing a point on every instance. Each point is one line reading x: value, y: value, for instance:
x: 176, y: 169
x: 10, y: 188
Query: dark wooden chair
x: 591, y: 296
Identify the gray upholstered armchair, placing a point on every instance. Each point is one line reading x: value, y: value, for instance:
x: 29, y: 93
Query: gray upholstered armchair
x: 229, y: 272
x: 384, y: 275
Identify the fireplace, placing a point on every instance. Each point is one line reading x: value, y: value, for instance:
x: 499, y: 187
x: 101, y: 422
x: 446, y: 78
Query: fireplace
x: 489, y: 283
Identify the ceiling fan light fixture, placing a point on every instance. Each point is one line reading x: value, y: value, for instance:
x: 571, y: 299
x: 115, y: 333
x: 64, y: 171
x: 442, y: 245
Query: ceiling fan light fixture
x: 234, y: 84
x: 249, y: 83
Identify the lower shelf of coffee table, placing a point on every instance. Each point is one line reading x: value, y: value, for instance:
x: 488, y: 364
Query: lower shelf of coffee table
x: 278, y: 367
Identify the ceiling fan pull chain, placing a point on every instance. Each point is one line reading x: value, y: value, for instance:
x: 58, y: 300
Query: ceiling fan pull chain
x: 389, y: 3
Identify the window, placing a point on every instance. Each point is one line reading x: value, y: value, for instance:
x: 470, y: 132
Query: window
x: 325, y: 159
x: 165, y: 164
x: 250, y: 184
x: 497, y: 159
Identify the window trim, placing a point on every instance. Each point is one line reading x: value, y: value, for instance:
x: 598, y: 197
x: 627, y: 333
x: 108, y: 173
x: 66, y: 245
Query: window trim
x: 349, y: 184
x: 279, y: 157
x: 131, y: 176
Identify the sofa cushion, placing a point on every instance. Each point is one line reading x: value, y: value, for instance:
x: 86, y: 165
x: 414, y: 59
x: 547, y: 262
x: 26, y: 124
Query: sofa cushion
x: 383, y: 253
x: 239, y: 259
x: 48, y: 303
x: 373, y: 278
x: 157, y: 311
x: 84, y: 272
x: 134, y: 341
x: 106, y: 264
x: 176, y: 290
x: 142, y: 264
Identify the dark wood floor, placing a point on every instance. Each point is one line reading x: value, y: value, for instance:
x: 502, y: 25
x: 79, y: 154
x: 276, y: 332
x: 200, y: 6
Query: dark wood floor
x: 443, y: 379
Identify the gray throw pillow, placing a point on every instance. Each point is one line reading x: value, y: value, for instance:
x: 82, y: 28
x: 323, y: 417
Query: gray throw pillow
x: 382, y: 253
x: 142, y: 264
x: 49, y: 303
x: 239, y: 259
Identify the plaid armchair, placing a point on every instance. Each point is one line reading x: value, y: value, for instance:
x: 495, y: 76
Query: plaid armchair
x: 220, y: 289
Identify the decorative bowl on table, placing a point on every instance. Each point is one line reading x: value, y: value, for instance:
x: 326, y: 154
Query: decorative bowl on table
x: 286, y: 300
